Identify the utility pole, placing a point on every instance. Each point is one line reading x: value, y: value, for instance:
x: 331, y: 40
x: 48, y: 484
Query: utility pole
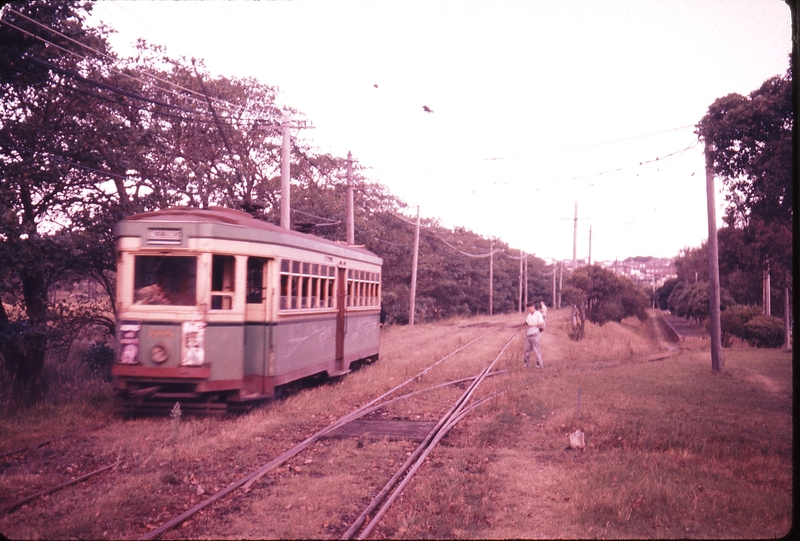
x: 654, y: 290
x: 766, y: 290
x: 351, y: 233
x: 560, y: 283
x: 575, y: 241
x: 521, y: 256
x: 414, y: 261
x: 787, y: 330
x: 286, y: 147
x: 575, y: 238
x: 286, y: 221
x: 590, y: 245
x: 713, y: 270
x: 554, y: 285
x: 491, y: 274
x: 526, y: 280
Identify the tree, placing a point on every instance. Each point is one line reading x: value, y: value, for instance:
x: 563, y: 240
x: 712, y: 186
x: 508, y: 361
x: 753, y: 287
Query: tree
x: 87, y: 139
x: 749, y: 141
x: 601, y: 296
x: 692, y: 300
x: 44, y: 117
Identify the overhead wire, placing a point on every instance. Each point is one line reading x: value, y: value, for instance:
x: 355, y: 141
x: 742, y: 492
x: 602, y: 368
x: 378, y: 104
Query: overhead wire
x: 243, y: 109
x: 579, y: 177
x: 108, y: 57
x: 61, y: 160
x: 591, y: 144
x: 227, y: 106
x: 434, y: 235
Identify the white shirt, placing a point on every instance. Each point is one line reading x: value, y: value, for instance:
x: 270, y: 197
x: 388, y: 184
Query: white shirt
x: 533, y: 321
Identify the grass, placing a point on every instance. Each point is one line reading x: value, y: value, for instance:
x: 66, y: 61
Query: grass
x: 673, y: 450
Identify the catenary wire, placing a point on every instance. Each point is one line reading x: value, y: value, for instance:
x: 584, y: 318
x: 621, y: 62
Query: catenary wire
x: 108, y: 57
x: 591, y: 144
x: 228, y: 107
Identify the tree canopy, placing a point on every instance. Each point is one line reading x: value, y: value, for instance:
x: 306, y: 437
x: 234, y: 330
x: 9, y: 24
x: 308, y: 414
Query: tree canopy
x: 599, y: 295
x: 87, y: 138
x: 750, y: 146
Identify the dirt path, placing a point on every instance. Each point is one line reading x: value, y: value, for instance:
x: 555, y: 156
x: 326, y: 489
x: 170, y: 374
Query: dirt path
x: 655, y: 325
x: 684, y: 327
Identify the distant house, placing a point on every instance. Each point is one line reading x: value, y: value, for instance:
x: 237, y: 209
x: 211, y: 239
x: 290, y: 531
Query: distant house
x: 645, y: 270
x: 641, y: 269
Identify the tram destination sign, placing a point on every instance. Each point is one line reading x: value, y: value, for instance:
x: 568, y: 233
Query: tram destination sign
x: 171, y: 237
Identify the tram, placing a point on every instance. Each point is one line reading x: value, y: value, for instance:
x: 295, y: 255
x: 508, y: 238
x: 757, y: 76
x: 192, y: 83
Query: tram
x: 217, y: 309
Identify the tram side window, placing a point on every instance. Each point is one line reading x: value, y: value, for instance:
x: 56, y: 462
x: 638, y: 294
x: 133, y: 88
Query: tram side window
x: 222, y: 282
x: 306, y: 286
x: 165, y: 280
x: 255, y: 280
x: 363, y: 288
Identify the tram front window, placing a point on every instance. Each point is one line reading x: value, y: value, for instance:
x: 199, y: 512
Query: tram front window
x: 165, y: 280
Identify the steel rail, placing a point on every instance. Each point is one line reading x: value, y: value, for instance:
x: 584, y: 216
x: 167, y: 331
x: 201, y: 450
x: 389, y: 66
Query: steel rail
x: 56, y: 488
x: 248, y: 479
x: 363, y: 412
x: 429, y: 441
x: 51, y: 440
x: 418, y: 464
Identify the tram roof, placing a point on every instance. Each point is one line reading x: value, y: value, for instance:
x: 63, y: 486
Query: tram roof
x: 226, y: 218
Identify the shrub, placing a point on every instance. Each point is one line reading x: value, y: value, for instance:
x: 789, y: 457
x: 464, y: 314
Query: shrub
x: 764, y: 331
x: 99, y: 358
x: 750, y: 324
x: 733, y: 322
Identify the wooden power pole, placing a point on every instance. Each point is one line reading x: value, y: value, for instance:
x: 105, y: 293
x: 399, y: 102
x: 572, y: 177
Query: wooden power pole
x: 491, y: 275
x: 414, y: 261
x: 713, y: 270
x: 575, y: 241
x: 285, y: 126
x: 521, y: 255
x: 351, y: 231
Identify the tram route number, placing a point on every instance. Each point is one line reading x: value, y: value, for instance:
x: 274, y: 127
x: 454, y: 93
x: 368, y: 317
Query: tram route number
x: 164, y: 236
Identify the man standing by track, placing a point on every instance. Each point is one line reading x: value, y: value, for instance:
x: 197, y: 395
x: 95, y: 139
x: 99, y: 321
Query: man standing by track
x: 535, y: 324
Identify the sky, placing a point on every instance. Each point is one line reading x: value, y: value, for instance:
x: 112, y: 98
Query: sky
x: 538, y: 105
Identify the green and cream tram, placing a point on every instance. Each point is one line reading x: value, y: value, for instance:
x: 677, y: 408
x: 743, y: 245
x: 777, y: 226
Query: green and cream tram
x: 216, y: 309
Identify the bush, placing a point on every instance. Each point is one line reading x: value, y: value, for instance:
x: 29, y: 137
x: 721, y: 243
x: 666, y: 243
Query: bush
x: 733, y: 322
x: 764, y: 331
x: 99, y: 358
x: 750, y: 324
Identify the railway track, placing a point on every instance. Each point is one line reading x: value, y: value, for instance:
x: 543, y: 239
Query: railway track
x: 102, y: 465
x: 383, y: 500
x: 380, y: 503
x: 77, y: 464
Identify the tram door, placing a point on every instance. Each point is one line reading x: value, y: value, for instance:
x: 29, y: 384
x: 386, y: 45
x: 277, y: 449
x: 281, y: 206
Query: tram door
x: 258, y: 323
x: 341, y: 301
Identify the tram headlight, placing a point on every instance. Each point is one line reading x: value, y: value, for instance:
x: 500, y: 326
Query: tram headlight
x: 159, y: 353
